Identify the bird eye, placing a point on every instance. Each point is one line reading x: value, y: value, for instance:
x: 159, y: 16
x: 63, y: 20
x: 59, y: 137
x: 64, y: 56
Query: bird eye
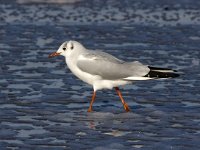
x: 64, y: 48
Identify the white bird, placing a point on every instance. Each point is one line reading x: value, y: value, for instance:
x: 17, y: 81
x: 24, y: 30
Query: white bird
x: 104, y: 71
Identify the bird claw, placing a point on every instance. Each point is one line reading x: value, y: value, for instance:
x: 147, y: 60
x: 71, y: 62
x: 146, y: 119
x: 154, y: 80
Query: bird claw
x: 127, y: 109
x: 89, y: 110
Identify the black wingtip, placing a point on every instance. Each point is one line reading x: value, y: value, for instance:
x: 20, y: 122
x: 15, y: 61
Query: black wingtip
x: 162, y: 73
x: 161, y: 69
x: 156, y: 74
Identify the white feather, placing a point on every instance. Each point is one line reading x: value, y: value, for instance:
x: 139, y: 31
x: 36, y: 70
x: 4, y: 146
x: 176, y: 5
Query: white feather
x: 164, y: 71
x: 138, y: 78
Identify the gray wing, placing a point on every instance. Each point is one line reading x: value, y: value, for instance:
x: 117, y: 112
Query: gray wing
x: 109, y: 67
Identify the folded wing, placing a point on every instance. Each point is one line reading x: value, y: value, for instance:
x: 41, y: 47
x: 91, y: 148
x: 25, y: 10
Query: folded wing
x: 110, y: 68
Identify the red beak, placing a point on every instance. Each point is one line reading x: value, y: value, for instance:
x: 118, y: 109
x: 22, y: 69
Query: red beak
x: 54, y: 54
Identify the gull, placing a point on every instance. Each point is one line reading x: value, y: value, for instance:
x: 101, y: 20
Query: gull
x: 104, y: 71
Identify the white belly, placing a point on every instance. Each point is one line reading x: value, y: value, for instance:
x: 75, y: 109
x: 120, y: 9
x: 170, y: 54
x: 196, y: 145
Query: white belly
x: 108, y: 84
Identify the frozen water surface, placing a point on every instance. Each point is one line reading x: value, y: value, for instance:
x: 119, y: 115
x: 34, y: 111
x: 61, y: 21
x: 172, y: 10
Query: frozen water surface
x: 43, y: 106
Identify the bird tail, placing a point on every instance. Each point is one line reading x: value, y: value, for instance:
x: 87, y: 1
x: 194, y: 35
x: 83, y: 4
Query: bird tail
x: 161, y: 73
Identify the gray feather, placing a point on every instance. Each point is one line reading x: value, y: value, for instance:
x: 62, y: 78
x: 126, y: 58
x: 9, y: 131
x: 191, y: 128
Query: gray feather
x: 109, y: 67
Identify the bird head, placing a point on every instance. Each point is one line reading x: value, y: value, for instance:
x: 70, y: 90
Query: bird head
x: 68, y: 48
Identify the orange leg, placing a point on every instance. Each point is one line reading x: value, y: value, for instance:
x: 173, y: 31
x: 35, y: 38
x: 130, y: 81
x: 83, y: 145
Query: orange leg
x: 121, y: 98
x: 92, y: 101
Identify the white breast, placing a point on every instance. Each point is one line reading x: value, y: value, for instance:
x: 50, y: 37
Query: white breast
x: 86, y: 77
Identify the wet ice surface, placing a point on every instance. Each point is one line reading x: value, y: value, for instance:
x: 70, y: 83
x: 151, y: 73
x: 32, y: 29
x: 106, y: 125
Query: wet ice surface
x: 44, y: 106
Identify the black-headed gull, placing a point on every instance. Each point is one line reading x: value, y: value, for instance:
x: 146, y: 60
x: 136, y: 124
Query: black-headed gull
x: 104, y: 71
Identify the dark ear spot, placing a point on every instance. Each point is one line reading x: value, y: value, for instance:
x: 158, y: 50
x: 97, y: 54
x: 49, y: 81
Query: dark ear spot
x: 72, y: 46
